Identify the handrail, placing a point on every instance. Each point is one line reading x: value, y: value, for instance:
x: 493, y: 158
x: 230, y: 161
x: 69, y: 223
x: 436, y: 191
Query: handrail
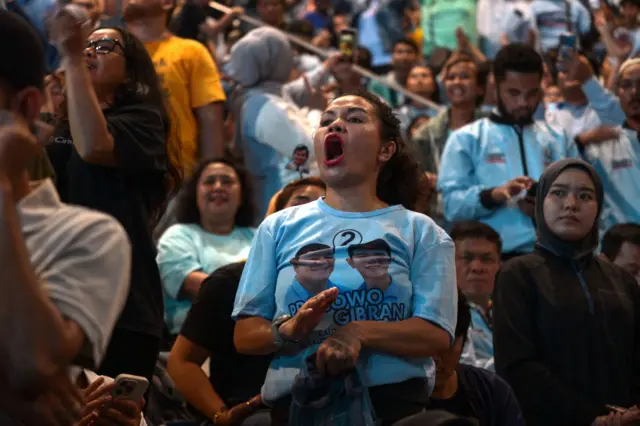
x: 324, y: 54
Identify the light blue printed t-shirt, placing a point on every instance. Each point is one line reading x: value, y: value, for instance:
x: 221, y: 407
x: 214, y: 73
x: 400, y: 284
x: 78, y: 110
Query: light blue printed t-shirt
x: 185, y: 248
x: 550, y: 18
x: 389, y: 265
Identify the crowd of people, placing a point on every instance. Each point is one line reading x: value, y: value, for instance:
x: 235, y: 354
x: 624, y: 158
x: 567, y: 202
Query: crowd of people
x: 266, y: 237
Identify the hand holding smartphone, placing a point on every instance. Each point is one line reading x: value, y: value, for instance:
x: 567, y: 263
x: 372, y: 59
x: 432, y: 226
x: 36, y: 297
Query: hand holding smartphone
x: 129, y: 387
x: 348, y: 42
x: 568, y: 45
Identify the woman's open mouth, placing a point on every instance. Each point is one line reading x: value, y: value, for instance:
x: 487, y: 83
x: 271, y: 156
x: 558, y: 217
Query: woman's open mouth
x: 333, y: 149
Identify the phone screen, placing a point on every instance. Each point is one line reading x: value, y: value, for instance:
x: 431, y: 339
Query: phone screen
x: 568, y: 41
x: 347, y: 42
x: 531, y: 192
x: 568, y: 44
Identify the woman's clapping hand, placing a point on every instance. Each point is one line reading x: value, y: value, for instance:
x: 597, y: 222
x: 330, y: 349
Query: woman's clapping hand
x: 308, y: 316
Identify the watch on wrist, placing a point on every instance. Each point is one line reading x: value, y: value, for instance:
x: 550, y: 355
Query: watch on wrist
x: 279, y: 340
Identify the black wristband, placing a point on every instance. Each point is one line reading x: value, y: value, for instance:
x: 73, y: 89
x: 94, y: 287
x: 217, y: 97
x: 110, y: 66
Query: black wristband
x: 487, y: 200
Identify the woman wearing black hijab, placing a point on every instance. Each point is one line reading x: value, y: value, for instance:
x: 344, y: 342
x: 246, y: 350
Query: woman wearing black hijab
x: 566, y: 323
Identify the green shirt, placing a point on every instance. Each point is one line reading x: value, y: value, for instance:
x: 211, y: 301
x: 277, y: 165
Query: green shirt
x: 440, y: 20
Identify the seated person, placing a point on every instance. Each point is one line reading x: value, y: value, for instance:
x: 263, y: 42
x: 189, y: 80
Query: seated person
x: 478, y: 249
x: 296, y: 193
x: 621, y: 245
x: 470, y: 391
x: 233, y: 378
x: 214, y: 213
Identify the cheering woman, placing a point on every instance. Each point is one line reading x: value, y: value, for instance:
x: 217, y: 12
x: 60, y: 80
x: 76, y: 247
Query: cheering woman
x: 110, y: 154
x: 356, y: 276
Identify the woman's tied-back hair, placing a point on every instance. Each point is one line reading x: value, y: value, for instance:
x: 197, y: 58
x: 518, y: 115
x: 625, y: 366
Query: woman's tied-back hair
x: 401, y: 180
x: 187, y: 202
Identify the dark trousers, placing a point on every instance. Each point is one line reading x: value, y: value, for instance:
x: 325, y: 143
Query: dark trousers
x: 391, y: 402
x: 130, y: 352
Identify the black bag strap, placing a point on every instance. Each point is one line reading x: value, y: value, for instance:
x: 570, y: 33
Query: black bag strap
x: 567, y: 15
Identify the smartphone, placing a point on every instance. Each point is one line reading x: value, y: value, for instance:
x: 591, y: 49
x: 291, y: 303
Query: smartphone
x: 347, y: 42
x: 568, y: 45
x: 531, y: 192
x: 130, y: 387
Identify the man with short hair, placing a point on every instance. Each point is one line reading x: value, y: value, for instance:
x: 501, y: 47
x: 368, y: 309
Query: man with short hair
x: 372, y: 260
x: 488, y: 167
x: 190, y: 80
x: 470, y: 391
x: 621, y: 246
x: 65, y: 269
x: 616, y: 157
x: 587, y: 104
x: 405, y: 56
x: 271, y: 12
x: 478, y: 249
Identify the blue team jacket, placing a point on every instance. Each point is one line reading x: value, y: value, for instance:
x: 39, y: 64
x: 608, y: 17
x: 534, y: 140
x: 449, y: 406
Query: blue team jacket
x: 618, y: 164
x: 488, y: 153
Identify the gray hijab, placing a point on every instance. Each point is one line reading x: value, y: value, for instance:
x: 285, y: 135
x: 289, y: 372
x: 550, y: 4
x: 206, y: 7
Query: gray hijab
x: 260, y: 62
x: 262, y: 59
x: 546, y: 238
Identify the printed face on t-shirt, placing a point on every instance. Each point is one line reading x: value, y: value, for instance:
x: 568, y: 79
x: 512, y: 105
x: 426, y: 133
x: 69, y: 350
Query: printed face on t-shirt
x: 314, y: 267
x: 300, y: 157
x: 371, y: 264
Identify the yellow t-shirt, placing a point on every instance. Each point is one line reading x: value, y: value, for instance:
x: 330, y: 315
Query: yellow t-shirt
x: 190, y: 80
x: 416, y: 36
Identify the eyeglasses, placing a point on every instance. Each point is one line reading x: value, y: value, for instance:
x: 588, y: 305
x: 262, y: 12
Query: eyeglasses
x: 104, y: 46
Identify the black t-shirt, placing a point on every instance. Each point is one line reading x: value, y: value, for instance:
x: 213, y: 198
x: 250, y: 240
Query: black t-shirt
x: 123, y: 191
x: 235, y: 377
x: 187, y: 23
x: 458, y: 404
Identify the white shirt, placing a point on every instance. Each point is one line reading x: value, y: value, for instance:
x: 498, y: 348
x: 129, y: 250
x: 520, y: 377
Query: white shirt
x: 82, y: 257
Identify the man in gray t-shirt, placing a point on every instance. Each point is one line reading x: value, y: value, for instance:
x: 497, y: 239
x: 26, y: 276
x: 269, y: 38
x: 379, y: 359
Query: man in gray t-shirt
x: 64, y: 271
